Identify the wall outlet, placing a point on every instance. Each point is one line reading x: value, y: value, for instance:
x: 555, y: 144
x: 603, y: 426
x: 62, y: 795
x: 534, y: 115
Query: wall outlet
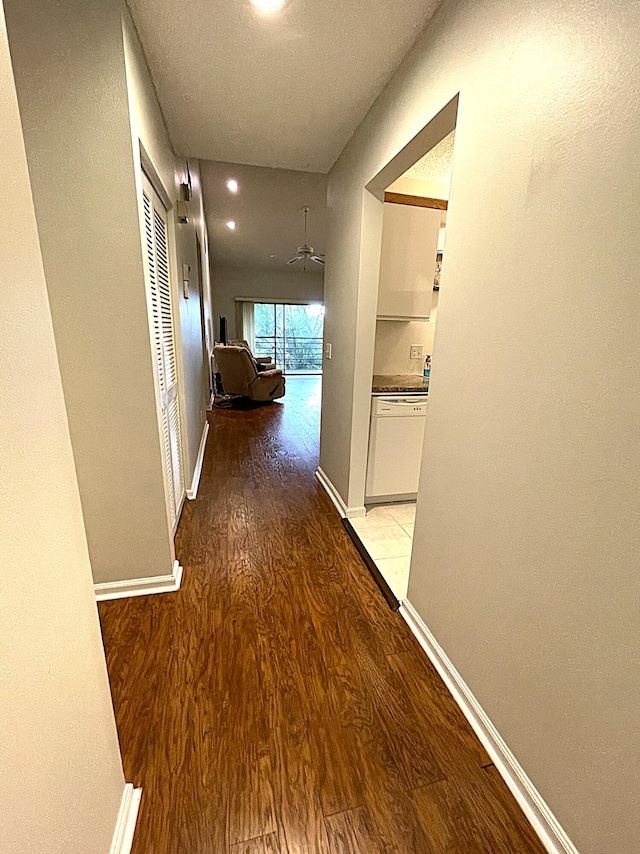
x: 417, y: 351
x: 327, y: 351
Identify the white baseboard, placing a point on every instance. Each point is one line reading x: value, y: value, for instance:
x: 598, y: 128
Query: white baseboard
x: 545, y: 824
x: 140, y: 586
x: 193, y: 489
x: 344, y: 511
x: 126, y: 823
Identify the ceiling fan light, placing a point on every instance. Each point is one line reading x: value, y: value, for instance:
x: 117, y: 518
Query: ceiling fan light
x: 268, y: 5
x: 305, y: 252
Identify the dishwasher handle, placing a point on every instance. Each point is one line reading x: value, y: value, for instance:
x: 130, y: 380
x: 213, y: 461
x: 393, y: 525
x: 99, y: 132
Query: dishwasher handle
x: 404, y: 402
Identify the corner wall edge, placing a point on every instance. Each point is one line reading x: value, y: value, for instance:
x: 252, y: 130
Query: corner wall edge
x: 140, y: 586
x: 336, y: 499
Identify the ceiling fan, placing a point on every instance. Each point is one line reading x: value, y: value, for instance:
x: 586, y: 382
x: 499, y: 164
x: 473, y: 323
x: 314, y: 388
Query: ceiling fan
x: 306, y: 252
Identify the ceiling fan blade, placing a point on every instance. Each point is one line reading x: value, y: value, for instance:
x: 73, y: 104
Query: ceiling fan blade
x: 317, y: 259
x: 293, y: 260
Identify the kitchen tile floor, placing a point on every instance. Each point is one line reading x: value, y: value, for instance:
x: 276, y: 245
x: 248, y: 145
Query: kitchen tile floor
x: 387, y: 534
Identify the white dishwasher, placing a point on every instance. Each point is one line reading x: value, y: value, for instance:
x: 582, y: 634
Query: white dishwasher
x: 395, y: 446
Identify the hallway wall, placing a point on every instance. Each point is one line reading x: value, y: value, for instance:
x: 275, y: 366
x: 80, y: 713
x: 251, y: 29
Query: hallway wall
x: 69, y: 64
x: 148, y: 128
x: 528, y: 528
x: 62, y: 780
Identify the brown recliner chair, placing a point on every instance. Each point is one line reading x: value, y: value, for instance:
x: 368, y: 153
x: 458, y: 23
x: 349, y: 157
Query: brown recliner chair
x: 264, y: 363
x: 240, y: 375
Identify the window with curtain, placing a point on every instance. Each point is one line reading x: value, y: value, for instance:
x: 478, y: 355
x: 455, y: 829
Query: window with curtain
x: 245, y: 323
x: 291, y: 335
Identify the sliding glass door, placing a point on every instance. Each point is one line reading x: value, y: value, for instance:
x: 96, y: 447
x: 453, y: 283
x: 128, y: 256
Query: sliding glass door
x: 291, y: 335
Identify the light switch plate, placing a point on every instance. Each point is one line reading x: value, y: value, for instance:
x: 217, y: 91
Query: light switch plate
x: 186, y: 269
x: 327, y: 351
x: 417, y: 351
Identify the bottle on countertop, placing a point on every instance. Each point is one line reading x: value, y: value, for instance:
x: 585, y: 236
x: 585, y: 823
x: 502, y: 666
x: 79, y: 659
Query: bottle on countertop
x: 427, y: 367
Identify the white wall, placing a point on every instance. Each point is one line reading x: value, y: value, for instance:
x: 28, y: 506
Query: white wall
x: 420, y: 187
x: 82, y: 173
x: 61, y: 780
x: 231, y: 282
x: 394, y: 339
x: 528, y: 529
x: 148, y: 128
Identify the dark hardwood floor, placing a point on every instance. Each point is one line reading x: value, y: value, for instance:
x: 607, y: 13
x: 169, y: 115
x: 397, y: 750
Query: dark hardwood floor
x: 275, y: 705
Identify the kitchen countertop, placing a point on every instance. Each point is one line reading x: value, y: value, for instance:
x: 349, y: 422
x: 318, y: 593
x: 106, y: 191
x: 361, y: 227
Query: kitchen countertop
x: 386, y: 383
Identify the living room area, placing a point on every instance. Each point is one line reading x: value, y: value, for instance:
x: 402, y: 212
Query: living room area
x: 267, y: 235
x: 275, y: 340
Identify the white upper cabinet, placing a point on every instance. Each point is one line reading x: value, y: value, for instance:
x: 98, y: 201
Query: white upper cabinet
x: 408, y: 261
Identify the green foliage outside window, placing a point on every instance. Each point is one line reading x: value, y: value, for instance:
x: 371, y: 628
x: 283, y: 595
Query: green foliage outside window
x: 291, y: 335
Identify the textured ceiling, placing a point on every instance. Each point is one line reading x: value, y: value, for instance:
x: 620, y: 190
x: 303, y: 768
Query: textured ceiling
x: 267, y: 210
x: 285, y: 89
x: 436, y: 164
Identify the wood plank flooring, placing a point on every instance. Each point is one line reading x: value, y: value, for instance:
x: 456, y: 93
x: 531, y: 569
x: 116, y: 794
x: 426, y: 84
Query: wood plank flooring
x: 274, y: 704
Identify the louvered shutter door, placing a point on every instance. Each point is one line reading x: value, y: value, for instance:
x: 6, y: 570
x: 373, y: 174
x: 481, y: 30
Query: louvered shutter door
x: 153, y: 288
x: 159, y: 283
x: 164, y: 292
x: 176, y: 458
x: 166, y: 449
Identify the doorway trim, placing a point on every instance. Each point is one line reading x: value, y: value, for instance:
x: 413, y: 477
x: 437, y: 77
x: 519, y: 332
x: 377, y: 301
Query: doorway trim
x: 415, y: 201
x: 373, y: 197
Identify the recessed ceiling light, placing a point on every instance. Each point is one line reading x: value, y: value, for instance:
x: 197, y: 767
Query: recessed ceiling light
x: 232, y: 185
x: 231, y: 224
x: 268, y: 5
